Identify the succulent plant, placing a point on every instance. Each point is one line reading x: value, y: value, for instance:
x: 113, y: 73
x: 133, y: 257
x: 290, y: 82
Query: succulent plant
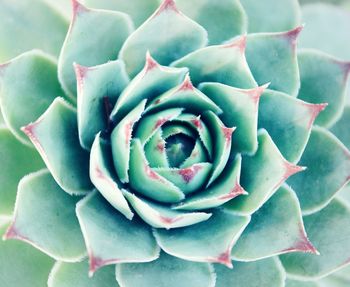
x: 174, y: 144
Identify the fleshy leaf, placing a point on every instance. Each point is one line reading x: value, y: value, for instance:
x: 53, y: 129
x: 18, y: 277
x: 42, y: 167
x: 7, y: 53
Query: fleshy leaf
x: 111, y: 238
x: 288, y: 121
x: 146, y: 181
x: 120, y: 141
x: 225, y: 64
x: 84, y: 48
x: 222, y: 190
x: 331, y: 76
x: 177, y: 128
x: 98, y: 90
x: 262, y: 273
x: 76, y: 275
x: 198, y: 154
x: 321, y: 21
x: 262, y: 174
x: 160, y: 216
x: 12, y: 152
x: 240, y: 109
x: 209, y: 241
x: 28, y: 86
x: 222, y: 19
x: 22, y: 265
x: 39, y: 18
x: 45, y: 217
x: 155, y: 147
x: 178, y: 36
x: 101, y: 167
x: 297, y: 283
x: 222, y: 138
x: 156, y: 273
x: 139, y: 10
x: 152, y: 81
x: 329, y: 231
x: 279, y: 221
x: 55, y: 136
x: 272, y: 58
x: 341, y: 127
x: 286, y: 15
x: 328, y: 170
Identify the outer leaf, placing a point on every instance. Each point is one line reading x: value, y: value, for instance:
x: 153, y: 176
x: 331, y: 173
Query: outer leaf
x: 102, y: 176
x: 222, y: 19
x: 341, y: 128
x: 331, y: 76
x: 156, y: 273
x: 240, y: 109
x: 262, y: 273
x: 2, y: 122
x: 225, y: 64
x: 288, y: 121
x: 55, y: 136
x: 271, y: 223
x: 209, y: 241
x: 81, y: 47
x: 296, y: 283
x: 177, y: 37
x: 76, y: 275
x: 111, y: 238
x: 12, y: 152
x: 329, y: 231
x: 22, y: 265
x: 160, y: 216
x: 272, y: 58
x: 139, y: 10
x: 39, y: 18
x: 321, y: 21
x: 45, y: 217
x: 333, y: 281
x: 328, y: 163
x: 262, y: 174
x: 28, y: 85
x: 98, y: 90
x: 286, y: 15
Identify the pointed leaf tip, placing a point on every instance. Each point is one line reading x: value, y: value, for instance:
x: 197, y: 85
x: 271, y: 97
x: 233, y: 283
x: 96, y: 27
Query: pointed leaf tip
x: 224, y: 259
x: 151, y: 63
x: 240, y: 43
x: 166, y: 6
x: 77, y: 8
x: 315, y: 110
x: 292, y: 35
x: 291, y: 169
x: 186, y: 84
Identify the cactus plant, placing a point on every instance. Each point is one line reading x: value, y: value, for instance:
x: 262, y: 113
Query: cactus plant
x: 181, y: 143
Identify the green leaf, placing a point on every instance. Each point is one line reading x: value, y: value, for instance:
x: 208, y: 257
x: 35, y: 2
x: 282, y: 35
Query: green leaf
x: 22, y: 265
x: 271, y: 223
x: 36, y: 16
x: 55, y: 136
x: 160, y: 216
x: 341, y: 128
x: 155, y: 148
x: 262, y: 174
x: 222, y: 19
x: 262, y: 273
x: 296, y: 283
x: 333, y: 281
x: 328, y: 170
x: 198, y: 154
x: 111, y: 238
x: 76, y: 275
x: 2, y: 121
x: 102, y: 176
x: 64, y: 7
x: 84, y: 48
x: 271, y: 15
x: 146, y: 181
x: 272, y: 58
x: 288, y: 122
x: 326, y: 29
x: 331, y: 76
x: 178, y: 36
x: 28, y: 86
x: 17, y: 160
x: 120, y: 141
x: 240, y: 109
x: 222, y: 190
x: 139, y: 10
x: 156, y: 273
x: 225, y: 64
x: 329, y: 231
x: 151, y: 82
x: 98, y: 90
x: 45, y: 217
x: 209, y: 241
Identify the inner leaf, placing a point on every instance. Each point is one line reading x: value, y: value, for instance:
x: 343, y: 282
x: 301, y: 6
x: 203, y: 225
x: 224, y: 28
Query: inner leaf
x: 178, y: 148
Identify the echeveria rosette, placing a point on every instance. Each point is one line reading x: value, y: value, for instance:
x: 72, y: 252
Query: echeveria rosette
x: 173, y: 145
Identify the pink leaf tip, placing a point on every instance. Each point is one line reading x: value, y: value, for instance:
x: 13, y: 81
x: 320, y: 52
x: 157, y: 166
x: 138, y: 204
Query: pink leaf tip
x: 239, y: 43
x: 166, y: 6
x: 315, y: 110
x: 291, y: 169
x: 151, y: 63
x: 225, y: 259
x: 293, y: 34
x: 186, y: 84
x: 77, y: 7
